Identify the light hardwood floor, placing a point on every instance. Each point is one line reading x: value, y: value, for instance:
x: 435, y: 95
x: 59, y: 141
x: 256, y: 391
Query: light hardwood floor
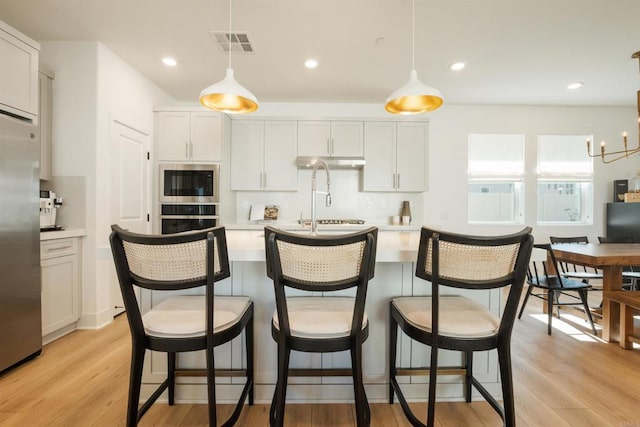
x: 568, y: 379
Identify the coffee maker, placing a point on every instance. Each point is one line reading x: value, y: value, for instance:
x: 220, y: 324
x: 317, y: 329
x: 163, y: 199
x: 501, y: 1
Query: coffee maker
x: 49, y: 204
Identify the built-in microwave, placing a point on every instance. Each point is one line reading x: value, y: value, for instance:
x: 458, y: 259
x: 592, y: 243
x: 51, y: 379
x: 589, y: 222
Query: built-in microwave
x: 189, y: 183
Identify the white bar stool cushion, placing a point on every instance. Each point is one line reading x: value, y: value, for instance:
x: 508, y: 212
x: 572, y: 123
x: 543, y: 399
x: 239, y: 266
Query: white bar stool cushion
x: 320, y: 317
x: 459, y: 316
x: 184, y: 316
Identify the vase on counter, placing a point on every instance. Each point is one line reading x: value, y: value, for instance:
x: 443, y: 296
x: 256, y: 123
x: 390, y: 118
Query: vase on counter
x: 406, y: 212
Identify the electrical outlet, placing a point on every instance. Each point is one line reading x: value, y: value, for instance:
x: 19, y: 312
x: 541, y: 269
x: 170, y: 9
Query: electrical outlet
x: 369, y: 204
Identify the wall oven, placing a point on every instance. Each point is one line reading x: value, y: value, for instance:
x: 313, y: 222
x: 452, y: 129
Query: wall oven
x: 189, y: 183
x: 176, y: 218
x: 189, y: 196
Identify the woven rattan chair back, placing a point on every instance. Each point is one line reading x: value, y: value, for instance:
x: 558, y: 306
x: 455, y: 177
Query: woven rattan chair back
x: 323, y: 263
x: 179, y: 262
x: 468, y: 266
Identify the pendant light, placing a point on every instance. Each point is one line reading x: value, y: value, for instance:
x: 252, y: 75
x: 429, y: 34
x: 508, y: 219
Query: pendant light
x: 227, y: 95
x: 414, y: 97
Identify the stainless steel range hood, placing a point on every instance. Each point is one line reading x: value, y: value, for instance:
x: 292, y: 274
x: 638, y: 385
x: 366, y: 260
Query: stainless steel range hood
x: 306, y: 162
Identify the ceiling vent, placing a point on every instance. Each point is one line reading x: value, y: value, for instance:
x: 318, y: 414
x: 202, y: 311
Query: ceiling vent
x: 240, y: 41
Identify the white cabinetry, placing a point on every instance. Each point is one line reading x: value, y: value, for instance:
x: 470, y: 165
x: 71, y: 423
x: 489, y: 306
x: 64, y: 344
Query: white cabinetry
x: 396, y: 155
x: 60, y: 262
x: 18, y: 72
x: 263, y: 155
x: 44, y: 124
x: 189, y: 136
x: 330, y: 138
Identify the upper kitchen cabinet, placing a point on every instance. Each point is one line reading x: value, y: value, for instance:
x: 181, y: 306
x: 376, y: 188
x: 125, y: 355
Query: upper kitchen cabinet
x: 44, y: 123
x: 396, y: 155
x: 189, y: 136
x: 263, y: 155
x: 18, y: 73
x: 330, y: 138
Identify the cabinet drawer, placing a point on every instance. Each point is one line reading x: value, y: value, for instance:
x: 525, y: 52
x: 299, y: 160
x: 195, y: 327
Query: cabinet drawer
x: 58, y: 247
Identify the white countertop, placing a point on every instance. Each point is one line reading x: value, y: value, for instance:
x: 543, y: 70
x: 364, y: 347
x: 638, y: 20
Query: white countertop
x: 392, y: 246
x: 62, y: 234
x: 293, y: 226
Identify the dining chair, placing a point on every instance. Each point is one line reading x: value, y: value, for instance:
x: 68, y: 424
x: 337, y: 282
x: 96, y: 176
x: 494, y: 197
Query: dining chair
x: 574, y: 271
x: 320, y: 323
x: 180, y: 323
x: 554, y: 286
x: 630, y: 274
x: 475, y: 266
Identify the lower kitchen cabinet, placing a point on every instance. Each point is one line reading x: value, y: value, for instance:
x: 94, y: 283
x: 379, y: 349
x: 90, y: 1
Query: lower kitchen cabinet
x: 60, y: 264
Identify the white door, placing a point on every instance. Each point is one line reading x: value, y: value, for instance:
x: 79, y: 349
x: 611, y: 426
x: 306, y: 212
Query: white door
x: 206, y: 136
x: 314, y: 138
x: 129, y: 196
x: 412, y: 143
x: 247, y: 157
x: 280, y: 142
x: 173, y: 135
x: 379, y: 149
x: 346, y: 139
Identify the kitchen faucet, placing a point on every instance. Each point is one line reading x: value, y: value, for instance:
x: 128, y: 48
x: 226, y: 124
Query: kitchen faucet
x: 315, y: 192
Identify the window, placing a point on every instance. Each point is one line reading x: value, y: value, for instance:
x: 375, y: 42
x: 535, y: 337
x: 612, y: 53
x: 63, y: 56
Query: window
x: 565, y: 180
x: 495, y: 178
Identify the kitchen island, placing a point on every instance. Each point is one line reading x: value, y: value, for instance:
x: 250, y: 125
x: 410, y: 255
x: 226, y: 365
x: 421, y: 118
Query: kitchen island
x: 394, y: 276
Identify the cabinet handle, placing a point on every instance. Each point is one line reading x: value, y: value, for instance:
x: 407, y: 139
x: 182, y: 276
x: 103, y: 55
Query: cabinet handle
x: 398, y: 186
x: 191, y: 156
x: 58, y: 248
x: 186, y: 149
x: 394, y: 180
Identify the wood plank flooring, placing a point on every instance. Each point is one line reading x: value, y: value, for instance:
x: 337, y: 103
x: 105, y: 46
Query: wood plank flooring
x: 567, y: 379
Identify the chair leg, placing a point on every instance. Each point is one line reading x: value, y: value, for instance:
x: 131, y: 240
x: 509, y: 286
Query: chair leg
x: 363, y: 414
x: 393, y: 343
x: 526, y: 298
x: 276, y: 413
x: 171, y: 376
x: 550, y: 297
x: 249, y: 346
x: 506, y: 377
x: 468, y: 356
x: 583, y: 297
x: 433, y: 379
x: 211, y: 385
x: 135, y: 382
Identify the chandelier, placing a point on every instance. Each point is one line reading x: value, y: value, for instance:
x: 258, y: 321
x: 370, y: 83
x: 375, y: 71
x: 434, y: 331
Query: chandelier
x: 612, y: 156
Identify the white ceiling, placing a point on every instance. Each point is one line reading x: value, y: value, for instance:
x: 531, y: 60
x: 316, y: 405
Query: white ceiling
x: 521, y: 52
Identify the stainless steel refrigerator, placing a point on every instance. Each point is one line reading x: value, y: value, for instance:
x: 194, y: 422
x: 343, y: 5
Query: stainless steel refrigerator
x: 20, y: 313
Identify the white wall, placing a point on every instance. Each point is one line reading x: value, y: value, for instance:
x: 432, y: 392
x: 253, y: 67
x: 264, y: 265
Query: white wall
x: 446, y: 201
x: 92, y: 86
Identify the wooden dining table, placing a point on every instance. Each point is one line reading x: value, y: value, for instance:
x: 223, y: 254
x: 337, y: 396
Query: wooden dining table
x: 610, y: 258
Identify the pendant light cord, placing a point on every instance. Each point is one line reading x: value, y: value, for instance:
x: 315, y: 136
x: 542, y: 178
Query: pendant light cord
x: 229, y: 41
x: 413, y: 35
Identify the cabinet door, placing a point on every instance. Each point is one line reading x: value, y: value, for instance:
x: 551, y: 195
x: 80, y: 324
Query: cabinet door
x: 347, y: 139
x: 412, y: 141
x: 44, y: 123
x: 247, y: 158
x: 60, y: 296
x: 206, y: 136
x: 173, y: 136
x: 18, y: 75
x: 379, y: 152
x: 314, y: 138
x: 280, y: 142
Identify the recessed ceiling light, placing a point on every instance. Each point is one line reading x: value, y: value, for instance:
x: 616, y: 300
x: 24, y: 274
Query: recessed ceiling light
x: 457, y: 66
x: 169, y: 62
x: 575, y: 85
x: 311, y: 63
